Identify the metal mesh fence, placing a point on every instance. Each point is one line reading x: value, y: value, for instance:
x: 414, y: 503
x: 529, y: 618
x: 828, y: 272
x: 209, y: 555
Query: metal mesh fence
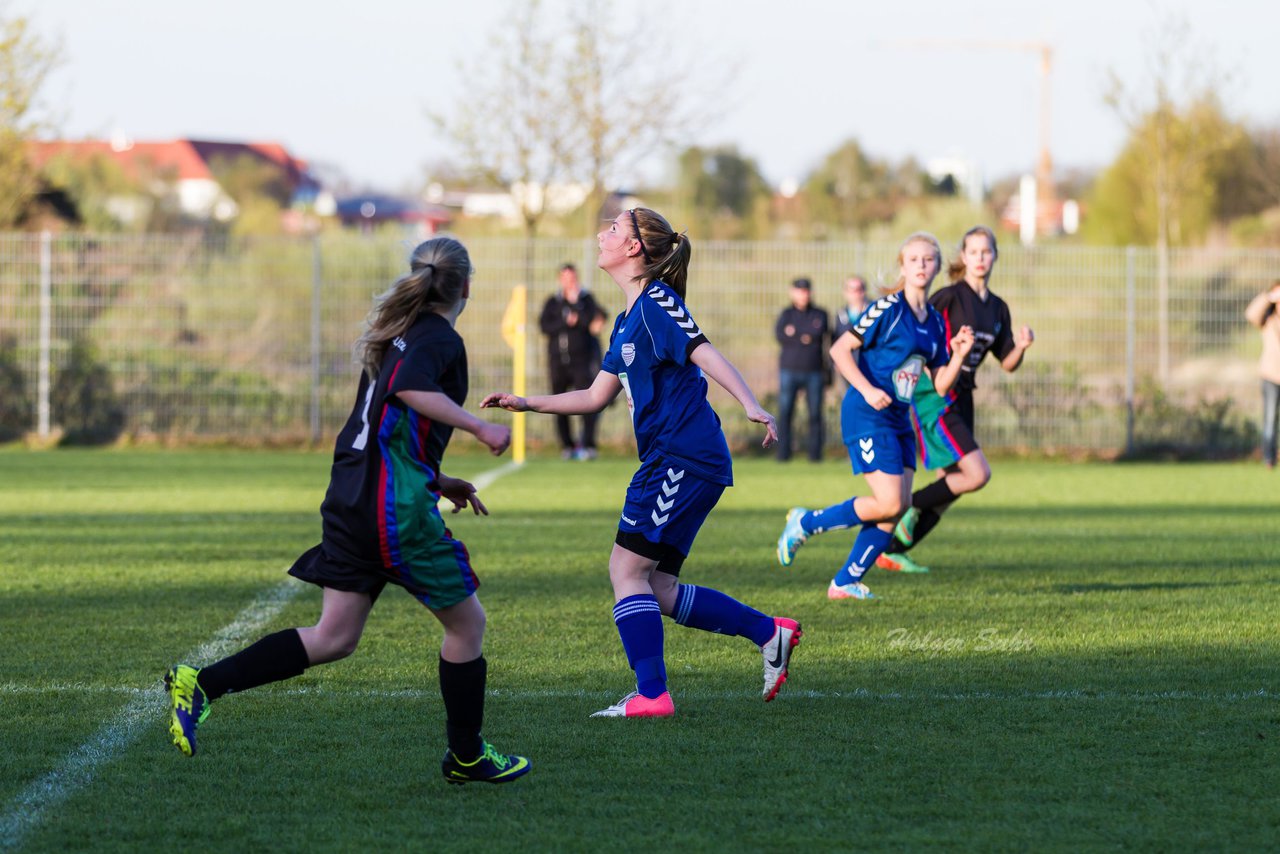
x: 177, y: 338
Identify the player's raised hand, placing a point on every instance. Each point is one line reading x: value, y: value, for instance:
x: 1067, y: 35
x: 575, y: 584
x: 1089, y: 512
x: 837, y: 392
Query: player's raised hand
x: 962, y: 341
x: 1025, y: 338
x: 505, y: 400
x: 877, y: 398
x: 760, y: 416
x: 496, y: 436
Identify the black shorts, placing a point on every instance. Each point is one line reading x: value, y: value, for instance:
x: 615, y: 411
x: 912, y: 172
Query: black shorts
x: 441, y: 582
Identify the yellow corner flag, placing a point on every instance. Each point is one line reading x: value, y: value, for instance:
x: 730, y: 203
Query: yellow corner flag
x: 514, y: 332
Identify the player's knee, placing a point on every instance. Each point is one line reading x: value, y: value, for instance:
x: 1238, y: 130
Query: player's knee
x: 892, y: 508
x: 325, y: 647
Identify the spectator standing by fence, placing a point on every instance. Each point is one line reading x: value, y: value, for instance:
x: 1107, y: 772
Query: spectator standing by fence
x: 855, y: 303
x: 1262, y: 313
x: 572, y: 320
x: 802, y: 331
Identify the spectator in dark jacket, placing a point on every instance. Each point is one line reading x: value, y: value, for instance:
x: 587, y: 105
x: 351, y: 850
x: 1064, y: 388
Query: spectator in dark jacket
x: 572, y: 320
x: 803, y: 332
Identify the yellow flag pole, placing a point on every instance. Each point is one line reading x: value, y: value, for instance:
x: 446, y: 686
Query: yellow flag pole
x: 515, y: 332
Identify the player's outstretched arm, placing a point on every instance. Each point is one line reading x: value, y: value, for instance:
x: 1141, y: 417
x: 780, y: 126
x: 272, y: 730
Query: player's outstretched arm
x: 438, y: 407
x: 715, y: 365
x: 594, y: 398
x: 945, y: 377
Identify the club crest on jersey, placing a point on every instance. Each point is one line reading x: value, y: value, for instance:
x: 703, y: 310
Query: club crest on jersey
x: 906, y: 376
x: 628, y: 353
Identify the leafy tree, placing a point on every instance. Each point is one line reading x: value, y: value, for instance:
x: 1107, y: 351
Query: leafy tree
x: 95, y: 185
x: 1168, y: 182
x: 723, y: 192
x: 850, y: 191
x: 25, y: 62
x: 1176, y: 129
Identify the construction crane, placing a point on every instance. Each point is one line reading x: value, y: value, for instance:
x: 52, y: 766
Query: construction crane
x: 1045, y: 194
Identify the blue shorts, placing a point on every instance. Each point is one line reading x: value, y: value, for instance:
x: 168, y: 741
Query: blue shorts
x: 666, y: 505
x: 889, y: 451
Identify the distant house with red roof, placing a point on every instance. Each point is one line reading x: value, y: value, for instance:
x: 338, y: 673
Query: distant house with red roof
x: 187, y: 165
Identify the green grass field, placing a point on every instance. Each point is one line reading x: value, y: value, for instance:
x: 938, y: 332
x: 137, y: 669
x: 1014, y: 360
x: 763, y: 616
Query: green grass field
x: 1091, y: 665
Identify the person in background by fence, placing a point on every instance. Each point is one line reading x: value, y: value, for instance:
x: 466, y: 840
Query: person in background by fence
x: 381, y: 522
x: 855, y: 303
x: 802, y: 330
x: 1262, y: 313
x: 945, y: 422
x: 660, y: 358
x: 896, y: 341
x: 571, y: 319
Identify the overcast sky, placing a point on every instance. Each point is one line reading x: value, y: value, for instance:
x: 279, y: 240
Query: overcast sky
x: 351, y: 84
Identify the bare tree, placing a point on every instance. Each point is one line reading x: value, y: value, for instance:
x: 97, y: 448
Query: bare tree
x: 25, y: 63
x: 513, y: 128
x: 575, y: 101
x: 1178, y: 82
x: 632, y: 93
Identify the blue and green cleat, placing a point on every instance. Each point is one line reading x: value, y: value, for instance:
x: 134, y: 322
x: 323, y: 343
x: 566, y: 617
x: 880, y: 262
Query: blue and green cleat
x: 490, y: 767
x: 189, y: 706
x: 793, y: 536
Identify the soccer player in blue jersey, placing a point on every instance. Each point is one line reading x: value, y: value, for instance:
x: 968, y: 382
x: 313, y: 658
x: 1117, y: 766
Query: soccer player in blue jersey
x: 658, y: 357
x: 944, y: 422
x: 898, y: 338
x: 381, y: 523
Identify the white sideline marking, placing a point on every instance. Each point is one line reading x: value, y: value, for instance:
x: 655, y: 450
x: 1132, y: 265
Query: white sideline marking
x: 583, y: 694
x: 77, y: 770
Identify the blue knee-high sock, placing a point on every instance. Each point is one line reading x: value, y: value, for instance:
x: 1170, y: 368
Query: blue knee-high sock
x: 833, y: 518
x: 639, y: 621
x: 713, y: 611
x: 869, y: 545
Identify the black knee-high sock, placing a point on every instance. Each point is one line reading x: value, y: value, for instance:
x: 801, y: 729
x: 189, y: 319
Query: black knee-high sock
x: 275, y: 657
x: 462, y: 687
x: 926, y: 523
x: 933, y: 495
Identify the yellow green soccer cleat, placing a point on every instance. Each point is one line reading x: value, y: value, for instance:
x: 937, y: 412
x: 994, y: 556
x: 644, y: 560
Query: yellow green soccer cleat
x: 189, y: 706
x: 489, y: 767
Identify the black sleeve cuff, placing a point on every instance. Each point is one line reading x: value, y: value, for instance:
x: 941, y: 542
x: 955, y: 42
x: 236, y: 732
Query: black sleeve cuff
x: 694, y: 343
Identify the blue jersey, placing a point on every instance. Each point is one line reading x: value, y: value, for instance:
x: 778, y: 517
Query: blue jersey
x: 896, y: 348
x: 649, y: 351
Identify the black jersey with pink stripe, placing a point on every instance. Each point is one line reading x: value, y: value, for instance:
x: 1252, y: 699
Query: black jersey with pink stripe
x: 387, y: 457
x: 989, y: 319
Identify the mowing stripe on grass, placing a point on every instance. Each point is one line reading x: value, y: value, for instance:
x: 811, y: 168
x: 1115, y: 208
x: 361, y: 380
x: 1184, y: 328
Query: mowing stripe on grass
x: 27, y: 810
x: 583, y: 694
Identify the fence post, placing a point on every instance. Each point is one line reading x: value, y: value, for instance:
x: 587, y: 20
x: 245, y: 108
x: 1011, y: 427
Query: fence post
x: 46, y: 334
x: 317, y: 277
x: 1130, y: 344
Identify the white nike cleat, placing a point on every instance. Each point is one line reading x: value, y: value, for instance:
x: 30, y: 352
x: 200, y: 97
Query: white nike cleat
x: 777, y: 654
